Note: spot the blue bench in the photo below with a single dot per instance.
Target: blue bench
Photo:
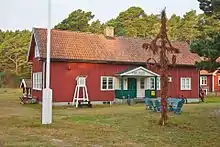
(174, 104)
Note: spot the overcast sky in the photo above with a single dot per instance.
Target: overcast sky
(25, 14)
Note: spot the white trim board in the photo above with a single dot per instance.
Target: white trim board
(214, 73)
(33, 35)
(70, 103)
(139, 71)
(29, 48)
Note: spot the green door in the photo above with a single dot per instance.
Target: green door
(132, 86)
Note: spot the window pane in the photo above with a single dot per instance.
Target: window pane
(110, 83)
(33, 80)
(187, 81)
(36, 84)
(152, 83)
(183, 83)
(104, 83)
(37, 80)
(158, 83)
(40, 80)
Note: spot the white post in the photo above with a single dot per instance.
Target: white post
(47, 92)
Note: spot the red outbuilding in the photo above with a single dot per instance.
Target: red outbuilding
(115, 67)
(210, 82)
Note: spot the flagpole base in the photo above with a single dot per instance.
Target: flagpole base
(47, 106)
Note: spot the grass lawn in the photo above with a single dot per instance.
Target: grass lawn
(118, 125)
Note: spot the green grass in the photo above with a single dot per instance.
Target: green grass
(212, 99)
(118, 125)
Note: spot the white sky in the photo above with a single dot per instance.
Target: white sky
(25, 14)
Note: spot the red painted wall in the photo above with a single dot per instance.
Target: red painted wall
(36, 67)
(63, 80)
(216, 87)
(174, 86)
(209, 83)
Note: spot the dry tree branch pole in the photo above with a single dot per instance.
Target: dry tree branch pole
(162, 46)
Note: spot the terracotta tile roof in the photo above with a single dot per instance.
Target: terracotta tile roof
(87, 46)
(205, 72)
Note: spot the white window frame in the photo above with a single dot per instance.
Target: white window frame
(150, 86)
(107, 83)
(183, 85)
(37, 81)
(158, 83)
(142, 83)
(202, 80)
(169, 79)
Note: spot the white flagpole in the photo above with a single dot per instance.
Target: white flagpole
(47, 92)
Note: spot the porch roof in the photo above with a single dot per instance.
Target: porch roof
(138, 71)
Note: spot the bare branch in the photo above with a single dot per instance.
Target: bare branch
(14, 61)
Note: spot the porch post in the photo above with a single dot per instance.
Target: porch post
(122, 82)
(122, 86)
(155, 86)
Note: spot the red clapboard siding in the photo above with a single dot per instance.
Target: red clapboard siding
(37, 67)
(174, 86)
(216, 86)
(63, 80)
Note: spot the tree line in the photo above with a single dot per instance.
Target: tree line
(133, 22)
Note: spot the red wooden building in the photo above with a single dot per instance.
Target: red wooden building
(115, 67)
(210, 81)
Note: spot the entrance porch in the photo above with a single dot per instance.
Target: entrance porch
(137, 83)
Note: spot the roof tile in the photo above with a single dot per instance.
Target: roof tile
(87, 46)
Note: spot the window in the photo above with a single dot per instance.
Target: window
(203, 80)
(169, 79)
(119, 83)
(185, 84)
(37, 81)
(142, 83)
(107, 83)
(151, 83)
(218, 80)
(36, 52)
(158, 83)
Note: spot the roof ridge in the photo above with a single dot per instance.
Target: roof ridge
(119, 37)
(69, 31)
(90, 33)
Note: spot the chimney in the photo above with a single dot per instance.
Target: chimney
(109, 31)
